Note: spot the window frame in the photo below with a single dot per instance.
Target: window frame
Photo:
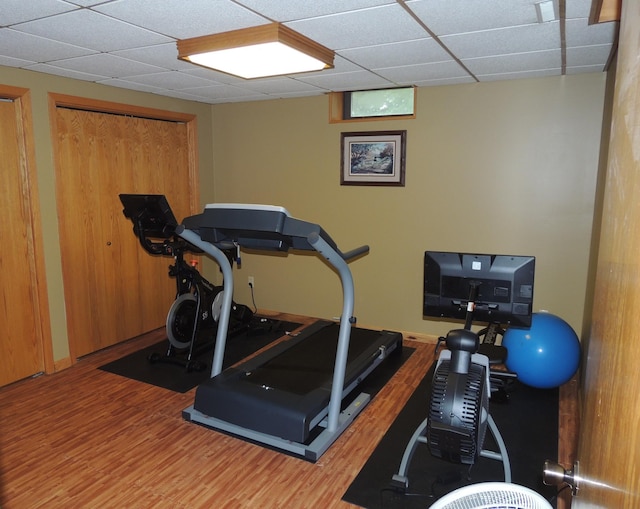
(338, 102)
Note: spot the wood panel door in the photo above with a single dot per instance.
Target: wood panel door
(609, 444)
(114, 290)
(22, 319)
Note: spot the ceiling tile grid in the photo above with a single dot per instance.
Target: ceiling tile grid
(378, 43)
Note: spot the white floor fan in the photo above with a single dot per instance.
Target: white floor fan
(492, 495)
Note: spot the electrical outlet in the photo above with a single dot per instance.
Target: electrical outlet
(252, 283)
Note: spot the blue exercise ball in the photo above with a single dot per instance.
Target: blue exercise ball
(545, 355)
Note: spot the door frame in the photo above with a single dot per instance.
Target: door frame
(28, 175)
(100, 106)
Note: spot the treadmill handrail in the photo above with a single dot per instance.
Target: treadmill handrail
(227, 293)
(355, 253)
(344, 335)
(312, 238)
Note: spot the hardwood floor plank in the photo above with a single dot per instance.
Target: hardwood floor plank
(87, 438)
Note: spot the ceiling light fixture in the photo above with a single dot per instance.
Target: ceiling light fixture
(257, 52)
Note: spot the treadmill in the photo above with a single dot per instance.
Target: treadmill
(298, 396)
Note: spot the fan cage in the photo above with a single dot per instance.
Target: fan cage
(492, 495)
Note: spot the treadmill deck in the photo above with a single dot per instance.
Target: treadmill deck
(285, 391)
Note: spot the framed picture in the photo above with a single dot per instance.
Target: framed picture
(375, 158)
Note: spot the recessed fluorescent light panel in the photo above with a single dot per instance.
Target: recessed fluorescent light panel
(257, 52)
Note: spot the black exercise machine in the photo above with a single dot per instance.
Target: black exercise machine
(458, 414)
(298, 396)
(194, 313)
(490, 288)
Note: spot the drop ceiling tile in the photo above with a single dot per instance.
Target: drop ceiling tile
(223, 92)
(588, 55)
(286, 10)
(131, 85)
(187, 97)
(108, 65)
(445, 17)
(357, 80)
(503, 41)
(580, 33)
(397, 53)
(14, 62)
(35, 48)
(584, 69)
(516, 62)
(409, 74)
(67, 73)
(162, 55)
(215, 76)
(173, 18)
(279, 86)
(244, 99)
(18, 11)
(376, 25)
(578, 8)
(172, 80)
(445, 81)
(88, 3)
(519, 75)
(92, 30)
(290, 95)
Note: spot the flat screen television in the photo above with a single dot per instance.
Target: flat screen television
(503, 287)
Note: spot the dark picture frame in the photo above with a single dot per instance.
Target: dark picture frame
(373, 158)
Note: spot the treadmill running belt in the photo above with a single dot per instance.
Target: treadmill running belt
(309, 365)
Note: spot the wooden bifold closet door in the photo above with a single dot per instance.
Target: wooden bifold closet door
(20, 313)
(113, 289)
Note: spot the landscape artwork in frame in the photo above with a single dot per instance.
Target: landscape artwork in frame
(375, 158)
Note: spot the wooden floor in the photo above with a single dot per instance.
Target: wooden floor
(87, 438)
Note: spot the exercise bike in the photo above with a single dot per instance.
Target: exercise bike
(193, 315)
(194, 312)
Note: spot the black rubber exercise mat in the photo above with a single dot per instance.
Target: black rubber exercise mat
(176, 377)
(527, 421)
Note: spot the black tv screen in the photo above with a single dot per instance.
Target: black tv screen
(504, 286)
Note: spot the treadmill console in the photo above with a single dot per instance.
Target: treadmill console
(246, 217)
(254, 226)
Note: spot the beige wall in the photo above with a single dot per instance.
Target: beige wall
(42, 84)
(505, 167)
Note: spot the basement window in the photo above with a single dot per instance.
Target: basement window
(361, 105)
